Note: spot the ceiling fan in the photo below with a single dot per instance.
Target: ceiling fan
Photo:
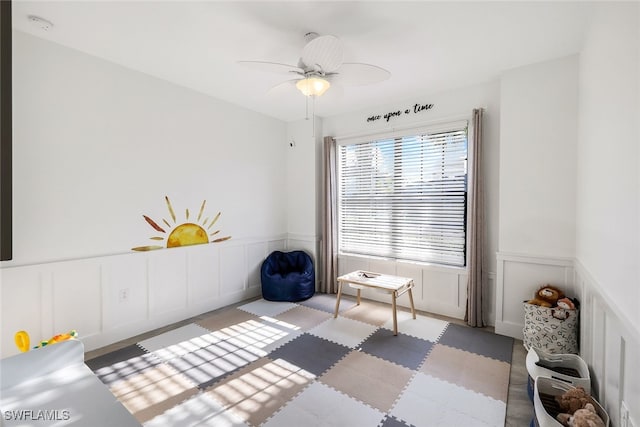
(321, 65)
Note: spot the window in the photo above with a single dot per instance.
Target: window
(405, 197)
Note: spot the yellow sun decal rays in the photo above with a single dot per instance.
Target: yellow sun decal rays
(184, 234)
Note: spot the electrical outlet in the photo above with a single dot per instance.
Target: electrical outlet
(123, 295)
(624, 415)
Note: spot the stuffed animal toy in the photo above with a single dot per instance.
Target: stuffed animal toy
(573, 399)
(585, 417)
(547, 296)
(566, 303)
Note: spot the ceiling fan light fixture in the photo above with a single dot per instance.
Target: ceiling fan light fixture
(313, 86)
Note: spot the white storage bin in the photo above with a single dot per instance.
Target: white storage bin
(546, 407)
(569, 368)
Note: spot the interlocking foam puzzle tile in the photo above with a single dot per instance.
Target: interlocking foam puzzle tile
(172, 337)
(426, 328)
(263, 307)
(310, 353)
(257, 336)
(255, 392)
(122, 354)
(209, 364)
(199, 410)
(372, 312)
(225, 318)
(122, 364)
(402, 349)
(372, 380)
(430, 400)
(469, 370)
(391, 421)
(320, 405)
(478, 341)
(303, 318)
(341, 330)
(153, 391)
(327, 303)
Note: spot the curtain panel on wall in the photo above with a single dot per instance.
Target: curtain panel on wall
(475, 225)
(329, 218)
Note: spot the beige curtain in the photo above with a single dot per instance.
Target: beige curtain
(329, 218)
(475, 225)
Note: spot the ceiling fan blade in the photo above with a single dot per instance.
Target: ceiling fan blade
(285, 86)
(273, 67)
(355, 74)
(323, 53)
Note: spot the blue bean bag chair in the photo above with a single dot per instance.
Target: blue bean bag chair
(288, 276)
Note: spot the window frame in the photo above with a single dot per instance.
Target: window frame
(398, 135)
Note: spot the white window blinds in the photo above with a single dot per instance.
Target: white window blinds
(405, 197)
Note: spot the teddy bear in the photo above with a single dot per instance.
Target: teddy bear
(547, 296)
(573, 399)
(585, 417)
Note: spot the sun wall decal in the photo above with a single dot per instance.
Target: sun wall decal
(186, 233)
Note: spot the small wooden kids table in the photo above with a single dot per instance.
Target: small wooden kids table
(394, 285)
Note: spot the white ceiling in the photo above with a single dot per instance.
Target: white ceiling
(428, 47)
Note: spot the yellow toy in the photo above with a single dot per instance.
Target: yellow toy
(22, 339)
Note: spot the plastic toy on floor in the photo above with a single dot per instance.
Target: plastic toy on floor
(22, 339)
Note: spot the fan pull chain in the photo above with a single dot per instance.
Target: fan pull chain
(313, 113)
(306, 106)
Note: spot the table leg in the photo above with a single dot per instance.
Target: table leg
(359, 296)
(335, 315)
(413, 310)
(395, 315)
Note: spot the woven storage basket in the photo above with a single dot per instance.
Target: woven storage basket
(552, 330)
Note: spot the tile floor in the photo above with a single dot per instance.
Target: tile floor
(519, 410)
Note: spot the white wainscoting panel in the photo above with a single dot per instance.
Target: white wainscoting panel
(114, 297)
(203, 278)
(256, 254)
(303, 242)
(233, 269)
(126, 274)
(438, 290)
(77, 298)
(22, 306)
(610, 344)
(167, 281)
(277, 245)
(518, 278)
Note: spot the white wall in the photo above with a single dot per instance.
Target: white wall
(96, 146)
(302, 188)
(570, 195)
(608, 214)
(539, 113)
(538, 140)
(440, 290)
(608, 198)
